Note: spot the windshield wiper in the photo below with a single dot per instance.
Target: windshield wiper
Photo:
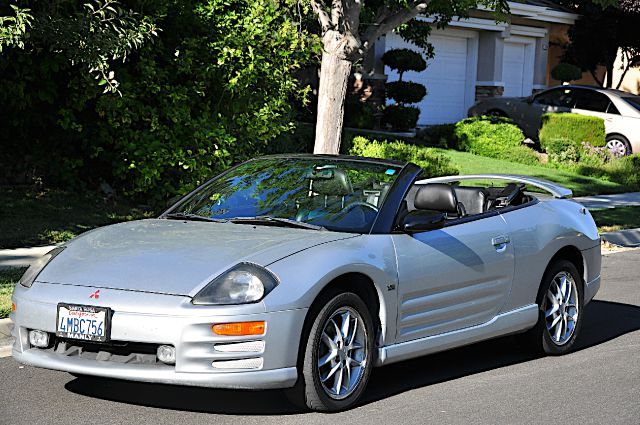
(192, 217)
(285, 221)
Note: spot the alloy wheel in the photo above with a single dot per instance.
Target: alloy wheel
(561, 313)
(342, 353)
(618, 148)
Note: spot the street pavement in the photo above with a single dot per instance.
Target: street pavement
(494, 382)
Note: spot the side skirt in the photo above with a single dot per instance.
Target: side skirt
(513, 321)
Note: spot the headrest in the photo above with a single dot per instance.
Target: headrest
(437, 197)
(330, 181)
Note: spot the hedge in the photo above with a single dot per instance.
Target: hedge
(433, 163)
(494, 137)
(573, 127)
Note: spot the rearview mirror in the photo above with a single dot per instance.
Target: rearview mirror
(423, 221)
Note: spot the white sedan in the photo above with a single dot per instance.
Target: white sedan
(619, 110)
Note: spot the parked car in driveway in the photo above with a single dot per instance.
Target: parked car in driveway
(620, 111)
(306, 271)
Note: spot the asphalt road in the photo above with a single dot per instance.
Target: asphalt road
(493, 382)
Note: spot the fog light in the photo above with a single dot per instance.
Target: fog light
(39, 339)
(167, 354)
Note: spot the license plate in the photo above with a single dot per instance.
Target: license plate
(84, 322)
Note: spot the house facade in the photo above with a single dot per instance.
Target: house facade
(478, 57)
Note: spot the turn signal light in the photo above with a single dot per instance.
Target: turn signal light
(13, 307)
(239, 328)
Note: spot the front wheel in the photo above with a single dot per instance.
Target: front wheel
(561, 305)
(338, 355)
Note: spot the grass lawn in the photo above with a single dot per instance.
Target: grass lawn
(612, 220)
(29, 217)
(8, 279)
(581, 185)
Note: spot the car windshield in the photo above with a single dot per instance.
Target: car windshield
(633, 101)
(339, 195)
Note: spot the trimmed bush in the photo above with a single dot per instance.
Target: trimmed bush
(405, 91)
(404, 60)
(433, 163)
(574, 127)
(566, 72)
(359, 115)
(401, 118)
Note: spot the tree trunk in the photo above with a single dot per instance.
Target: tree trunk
(334, 76)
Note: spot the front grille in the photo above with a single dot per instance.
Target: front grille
(112, 351)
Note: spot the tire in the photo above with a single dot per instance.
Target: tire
(558, 327)
(618, 145)
(316, 386)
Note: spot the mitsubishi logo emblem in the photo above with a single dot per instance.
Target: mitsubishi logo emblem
(95, 295)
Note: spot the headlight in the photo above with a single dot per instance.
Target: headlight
(36, 267)
(244, 283)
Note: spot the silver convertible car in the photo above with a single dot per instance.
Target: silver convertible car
(306, 271)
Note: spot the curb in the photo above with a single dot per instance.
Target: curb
(627, 238)
(6, 340)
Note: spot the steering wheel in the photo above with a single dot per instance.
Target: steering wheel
(362, 204)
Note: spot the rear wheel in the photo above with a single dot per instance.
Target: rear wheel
(618, 145)
(338, 356)
(560, 317)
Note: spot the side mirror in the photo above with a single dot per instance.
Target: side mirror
(423, 221)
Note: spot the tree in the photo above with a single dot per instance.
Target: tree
(589, 49)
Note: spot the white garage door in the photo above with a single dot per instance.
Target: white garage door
(517, 69)
(447, 77)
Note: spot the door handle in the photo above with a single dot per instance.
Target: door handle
(500, 240)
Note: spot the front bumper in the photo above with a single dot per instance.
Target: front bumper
(163, 319)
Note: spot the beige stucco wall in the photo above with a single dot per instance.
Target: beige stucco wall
(631, 82)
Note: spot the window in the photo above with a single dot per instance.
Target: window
(557, 97)
(633, 101)
(591, 100)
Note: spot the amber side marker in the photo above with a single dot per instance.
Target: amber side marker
(239, 328)
(13, 307)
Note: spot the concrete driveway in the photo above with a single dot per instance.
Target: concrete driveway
(493, 382)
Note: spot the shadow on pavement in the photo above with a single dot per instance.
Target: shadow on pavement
(603, 321)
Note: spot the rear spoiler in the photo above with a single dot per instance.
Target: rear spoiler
(557, 191)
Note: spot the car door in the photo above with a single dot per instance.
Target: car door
(559, 99)
(452, 278)
(596, 104)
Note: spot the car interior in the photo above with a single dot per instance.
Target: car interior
(458, 202)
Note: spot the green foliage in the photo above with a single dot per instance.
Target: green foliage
(625, 170)
(405, 91)
(214, 89)
(403, 60)
(573, 127)
(401, 118)
(298, 140)
(14, 28)
(433, 163)
(566, 72)
(562, 150)
(8, 279)
(441, 135)
(494, 137)
(359, 114)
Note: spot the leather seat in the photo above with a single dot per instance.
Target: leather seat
(438, 197)
(474, 199)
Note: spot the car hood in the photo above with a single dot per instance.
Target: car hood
(173, 256)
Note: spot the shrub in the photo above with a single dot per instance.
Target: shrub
(299, 140)
(441, 135)
(562, 150)
(574, 127)
(358, 114)
(625, 170)
(433, 163)
(405, 91)
(566, 72)
(401, 118)
(403, 60)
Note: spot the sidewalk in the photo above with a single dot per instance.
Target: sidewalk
(618, 200)
(22, 257)
(6, 340)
